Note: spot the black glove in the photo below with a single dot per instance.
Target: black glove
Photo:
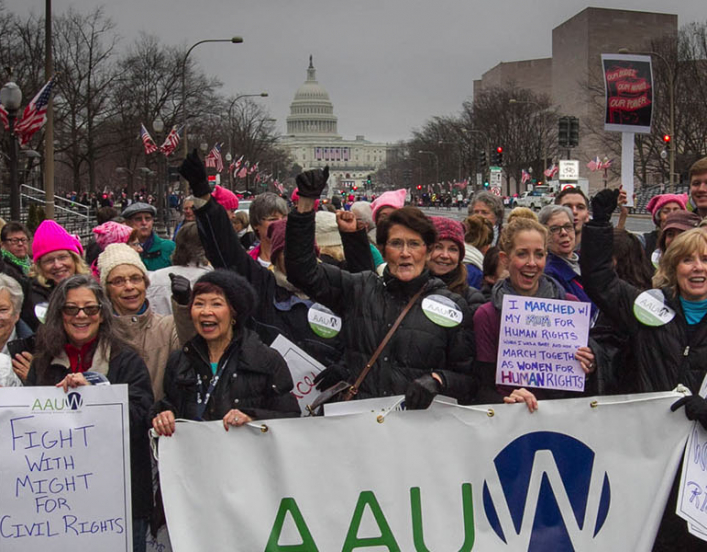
(603, 204)
(311, 183)
(194, 172)
(330, 376)
(695, 408)
(181, 289)
(421, 392)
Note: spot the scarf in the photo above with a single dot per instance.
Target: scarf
(24, 264)
(81, 359)
(548, 288)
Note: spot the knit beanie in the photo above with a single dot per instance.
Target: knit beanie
(448, 229)
(226, 198)
(117, 254)
(51, 237)
(327, 231)
(238, 292)
(112, 232)
(659, 201)
(393, 198)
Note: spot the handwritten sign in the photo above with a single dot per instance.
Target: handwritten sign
(303, 369)
(628, 85)
(538, 341)
(65, 466)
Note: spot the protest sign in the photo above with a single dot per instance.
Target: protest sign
(538, 341)
(65, 469)
(628, 85)
(570, 476)
(303, 369)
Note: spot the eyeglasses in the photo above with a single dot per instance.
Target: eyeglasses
(17, 241)
(49, 261)
(89, 310)
(569, 228)
(120, 281)
(412, 245)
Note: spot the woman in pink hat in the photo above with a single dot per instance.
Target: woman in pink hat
(660, 207)
(57, 256)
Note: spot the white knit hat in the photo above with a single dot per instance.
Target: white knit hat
(117, 254)
(327, 231)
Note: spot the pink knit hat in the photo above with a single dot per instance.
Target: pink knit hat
(226, 198)
(658, 202)
(51, 237)
(394, 198)
(112, 232)
(448, 229)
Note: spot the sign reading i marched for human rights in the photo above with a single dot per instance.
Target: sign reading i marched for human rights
(65, 469)
(538, 341)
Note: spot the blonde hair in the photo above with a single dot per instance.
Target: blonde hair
(685, 244)
(336, 252)
(521, 212)
(479, 231)
(506, 242)
(37, 273)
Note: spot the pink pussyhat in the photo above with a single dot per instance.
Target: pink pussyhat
(393, 198)
(112, 232)
(658, 202)
(51, 237)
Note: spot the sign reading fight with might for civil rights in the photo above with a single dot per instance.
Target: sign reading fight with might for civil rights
(65, 469)
(628, 84)
(538, 341)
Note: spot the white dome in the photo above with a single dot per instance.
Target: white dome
(311, 111)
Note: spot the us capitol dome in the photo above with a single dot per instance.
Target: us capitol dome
(313, 142)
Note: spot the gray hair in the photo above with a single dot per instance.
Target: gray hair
(265, 205)
(14, 289)
(188, 247)
(364, 212)
(494, 203)
(549, 211)
(51, 336)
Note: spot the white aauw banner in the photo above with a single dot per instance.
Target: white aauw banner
(568, 477)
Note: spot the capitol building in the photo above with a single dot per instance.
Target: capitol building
(313, 142)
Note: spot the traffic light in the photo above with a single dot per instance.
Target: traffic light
(355, 188)
(482, 158)
(574, 132)
(563, 133)
(497, 157)
(666, 139)
(419, 186)
(343, 192)
(486, 184)
(368, 180)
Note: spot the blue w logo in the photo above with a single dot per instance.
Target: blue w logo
(547, 493)
(74, 401)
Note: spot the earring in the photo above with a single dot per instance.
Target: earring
(233, 322)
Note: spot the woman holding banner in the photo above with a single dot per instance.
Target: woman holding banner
(523, 247)
(79, 345)
(225, 372)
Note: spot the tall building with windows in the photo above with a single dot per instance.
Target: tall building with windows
(313, 141)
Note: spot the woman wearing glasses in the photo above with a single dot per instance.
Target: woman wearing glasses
(562, 260)
(154, 336)
(79, 336)
(57, 256)
(431, 351)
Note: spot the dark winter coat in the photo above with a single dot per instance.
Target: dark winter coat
(11, 269)
(159, 254)
(368, 306)
(279, 311)
(36, 294)
(660, 357)
(255, 380)
(124, 366)
(561, 271)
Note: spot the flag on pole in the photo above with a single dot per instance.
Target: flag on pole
(551, 170)
(606, 163)
(243, 172)
(254, 168)
(214, 159)
(171, 141)
(147, 141)
(35, 114)
(235, 166)
(4, 117)
(525, 176)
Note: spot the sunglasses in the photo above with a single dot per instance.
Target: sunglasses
(89, 310)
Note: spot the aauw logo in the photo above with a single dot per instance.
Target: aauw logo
(72, 401)
(547, 493)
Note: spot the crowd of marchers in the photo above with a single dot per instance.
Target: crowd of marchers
(187, 321)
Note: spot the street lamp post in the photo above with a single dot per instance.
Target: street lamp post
(543, 144)
(158, 127)
(671, 100)
(230, 126)
(11, 98)
(466, 131)
(436, 160)
(234, 40)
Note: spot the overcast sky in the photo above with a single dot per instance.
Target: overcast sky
(388, 65)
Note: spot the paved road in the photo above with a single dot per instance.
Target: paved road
(635, 223)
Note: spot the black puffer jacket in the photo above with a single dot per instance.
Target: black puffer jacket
(255, 380)
(279, 310)
(124, 366)
(369, 306)
(660, 357)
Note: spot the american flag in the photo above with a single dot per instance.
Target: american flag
(214, 159)
(35, 113)
(525, 176)
(254, 168)
(172, 141)
(280, 188)
(552, 170)
(242, 173)
(147, 141)
(594, 164)
(3, 117)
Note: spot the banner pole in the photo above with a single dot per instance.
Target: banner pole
(627, 145)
